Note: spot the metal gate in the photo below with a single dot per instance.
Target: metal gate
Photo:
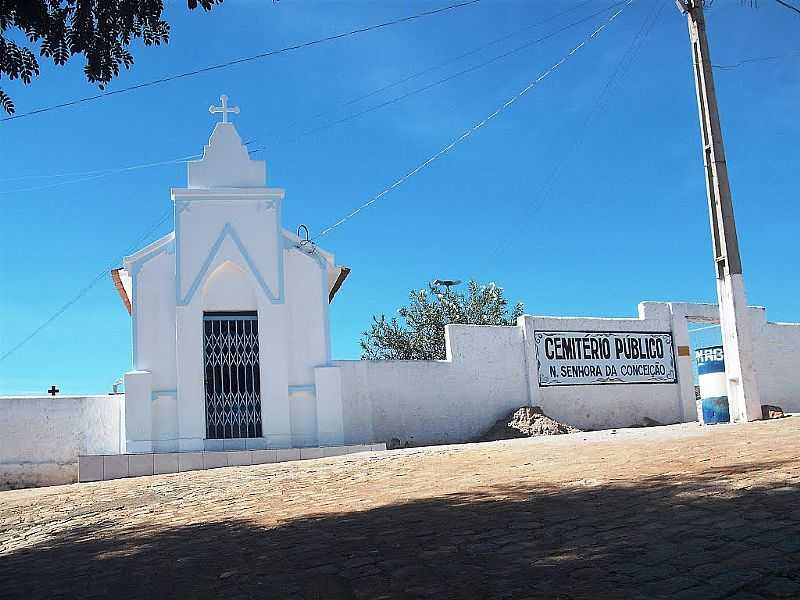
(232, 382)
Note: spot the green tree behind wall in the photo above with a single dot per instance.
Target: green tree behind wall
(418, 333)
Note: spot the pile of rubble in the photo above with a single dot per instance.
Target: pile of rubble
(528, 421)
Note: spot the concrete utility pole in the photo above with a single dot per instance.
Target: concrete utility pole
(743, 397)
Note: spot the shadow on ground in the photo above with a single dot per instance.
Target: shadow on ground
(671, 536)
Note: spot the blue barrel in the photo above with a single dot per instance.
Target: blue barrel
(713, 385)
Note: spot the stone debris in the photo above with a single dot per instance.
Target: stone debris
(647, 422)
(396, 444)
(768, 411)
(527, 421)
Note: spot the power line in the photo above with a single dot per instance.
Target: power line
(95, 174)
(327, 230)
(753, 60)
(81, 177)
(89, 175)
(239, 61)
(108, 171)
(789, 6)
(85, 290)
(600, 101)
(480, 124)
(444, 63)
(101, 173)
(443, 80)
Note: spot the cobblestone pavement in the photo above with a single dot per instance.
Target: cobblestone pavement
(667, 512)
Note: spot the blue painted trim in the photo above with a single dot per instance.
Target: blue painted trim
(177, 218)
(228, 230)
(279, 252)
(165, 247)
(135, 317)
(326, 307)
(309, 387)
(156, 393)
(164, 392)
(323, 265)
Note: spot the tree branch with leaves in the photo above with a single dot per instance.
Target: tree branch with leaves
(419, 332)
(100, 30)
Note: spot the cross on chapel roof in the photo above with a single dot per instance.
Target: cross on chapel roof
(226, 162)
(224, 108)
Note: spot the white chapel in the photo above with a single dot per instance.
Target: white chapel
(231, 344)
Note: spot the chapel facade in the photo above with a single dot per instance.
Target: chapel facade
(230, 332)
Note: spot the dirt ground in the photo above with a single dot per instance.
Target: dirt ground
(663, 512)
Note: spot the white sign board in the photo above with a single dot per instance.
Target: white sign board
(594, 357)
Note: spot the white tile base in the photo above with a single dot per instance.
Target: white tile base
(190, 461)
(307, 453)
(214, 460)
(117, 466)
(239, 458)
(165, 463)
(262, 457)
(287, 454)
(140, 464)
(90, 468)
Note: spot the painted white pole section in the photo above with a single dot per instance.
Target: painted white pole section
(743, 395)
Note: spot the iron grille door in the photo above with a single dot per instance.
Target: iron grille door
(232, 382)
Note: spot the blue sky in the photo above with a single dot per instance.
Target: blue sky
(623, 220)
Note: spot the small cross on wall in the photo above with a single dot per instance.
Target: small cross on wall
(53, 390)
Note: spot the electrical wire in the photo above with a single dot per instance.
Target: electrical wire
(598, 105)
(327, 230)
(477, 126)
(80, 177)
(444, 63)
(789, 6)
(97, 171)
(443, 80)
(239, 61)
(85, 290)
(753, 60)
(89, 175)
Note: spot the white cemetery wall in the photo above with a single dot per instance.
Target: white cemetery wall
(434, 402)
(776, 355)
(777, 359)
(491, 371)
(42, 436)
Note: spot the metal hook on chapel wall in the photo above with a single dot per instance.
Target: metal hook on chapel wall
(306, 245)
